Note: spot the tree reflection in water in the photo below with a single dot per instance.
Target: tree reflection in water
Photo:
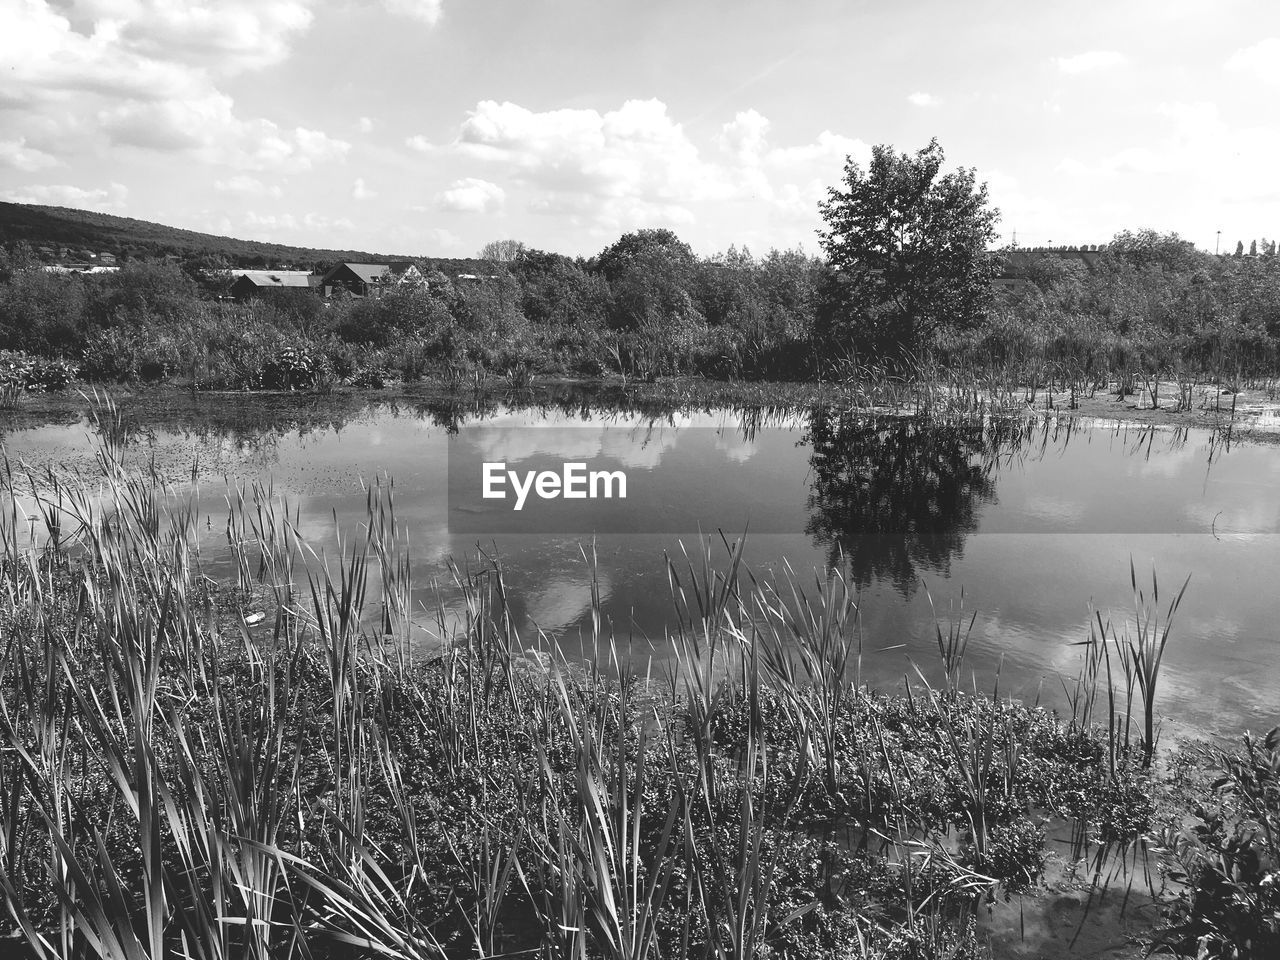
(893, 496)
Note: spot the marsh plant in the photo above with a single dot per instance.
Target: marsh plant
(299, 760)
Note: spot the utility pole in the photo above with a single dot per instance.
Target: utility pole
(1215, 243)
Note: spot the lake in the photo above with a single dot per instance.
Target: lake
(1036, 519)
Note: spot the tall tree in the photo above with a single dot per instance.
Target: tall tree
(909, 246)
(501, 251)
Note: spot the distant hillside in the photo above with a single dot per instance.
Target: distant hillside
(125, 237)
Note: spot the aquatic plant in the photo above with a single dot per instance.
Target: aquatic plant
(300, 762)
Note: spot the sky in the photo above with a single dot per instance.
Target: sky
(429, 127)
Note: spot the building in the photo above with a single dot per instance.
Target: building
(251, 283)
(84, 268)
(371, 279)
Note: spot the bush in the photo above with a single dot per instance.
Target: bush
(54, 374)
(1228, 859)
(291, 366)
(122, 355)
(16, 369)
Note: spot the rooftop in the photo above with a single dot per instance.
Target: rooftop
(276, 278)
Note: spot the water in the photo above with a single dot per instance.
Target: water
(1036, 520)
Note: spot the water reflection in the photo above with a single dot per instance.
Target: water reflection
(1034, 517)
(890, 494)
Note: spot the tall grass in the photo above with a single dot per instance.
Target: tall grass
(178, 778)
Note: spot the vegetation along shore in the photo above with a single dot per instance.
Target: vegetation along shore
(275, 764)
(923, 297)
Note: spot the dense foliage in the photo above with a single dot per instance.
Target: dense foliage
(907, 289)
(911, 250)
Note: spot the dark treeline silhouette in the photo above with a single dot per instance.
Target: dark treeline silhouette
(645, 307)
(894, 498)
(891, 495)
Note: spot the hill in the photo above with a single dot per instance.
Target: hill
(133, 239)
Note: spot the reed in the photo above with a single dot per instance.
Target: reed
(180, 779)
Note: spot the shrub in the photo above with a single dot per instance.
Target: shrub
(16, 368)
(291, 366)
(54, 374)
(1228, 859)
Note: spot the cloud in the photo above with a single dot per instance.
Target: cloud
(445, 239)
(131, 46)
(229, 35)
(745, 135)
(86, 75)
(1259, 62)
(246, 185)
(471, 195)
(921, 99)
(1204, 155)
(636, 166)
(209, 127)
(365, 124)
(420, 144)
(360, 191)
(284, 224)
(16, 154)
(629, 166)
(633, 151)
(427, 11)
(1197, 139)
(1089, 61)
(68, 195)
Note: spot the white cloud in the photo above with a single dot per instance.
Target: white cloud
(68, 195)
(247, 185)
(471, 195)
(209, 127)
(1260, 62)
(1204, 156)
(922, 99)
(145, 48)
(636, 166)
(445, 239)
(16, 154)
(630, 166)
(365, 124)
(84, 75)
(1197, 139)
(427, 11)
(420, 144)
(306, 226)
(361, 191)
(745, 135)
(228, 35)
(1090, 61)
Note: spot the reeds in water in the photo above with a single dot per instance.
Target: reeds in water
(179, 779)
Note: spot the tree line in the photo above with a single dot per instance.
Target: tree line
(906, 280)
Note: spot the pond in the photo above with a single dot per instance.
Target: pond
(1032, 523)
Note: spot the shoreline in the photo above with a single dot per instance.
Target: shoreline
(1250, 413)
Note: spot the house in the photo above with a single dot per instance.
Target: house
(251, 283)
(83, 268)
(371, 279)
(107, 259)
